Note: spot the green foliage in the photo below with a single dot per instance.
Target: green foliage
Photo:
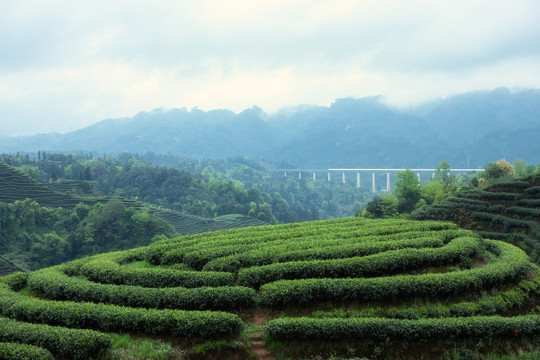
(48, 236)
(15, 351)
(513, 263)
(206, 324)
(379, 264)
(52, 284)
(478, 327)
(60, 341)
(407, 191)
(382, 207)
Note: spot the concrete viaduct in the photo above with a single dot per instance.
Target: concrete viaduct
(328, 172)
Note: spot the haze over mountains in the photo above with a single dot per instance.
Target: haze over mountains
(469, 129)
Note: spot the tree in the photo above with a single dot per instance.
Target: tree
(407, 191)
(382, 206)
(442, 172)
(501, 168)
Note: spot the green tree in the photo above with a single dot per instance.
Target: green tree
(442, 172)
(407, 191)
(499, 169)
(382, 206)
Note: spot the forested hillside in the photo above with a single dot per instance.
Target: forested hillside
(469, 129)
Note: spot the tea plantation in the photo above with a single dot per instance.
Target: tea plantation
(506, 210)
(345, 288)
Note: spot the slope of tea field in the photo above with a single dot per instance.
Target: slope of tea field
(507, 211)
(350, 287)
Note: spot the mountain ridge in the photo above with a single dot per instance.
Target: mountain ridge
(349, 132)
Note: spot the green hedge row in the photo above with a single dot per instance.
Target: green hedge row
(533, 191)
(533, 243)
(52, 284)
(512, 264)
(528, 203)
(384, 263)
(479, 327)
(60, 341)
(254, 235)
(109, 272)
(492, 196)
(523, 211)
(16, 351)
(509, 223)
(187, 324)
(15, 281)
(486, 306)
(510, 185)
(323, 249)
(197, 258)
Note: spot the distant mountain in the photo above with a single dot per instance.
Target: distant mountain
(481, 126)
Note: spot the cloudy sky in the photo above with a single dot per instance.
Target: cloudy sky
(66, 64)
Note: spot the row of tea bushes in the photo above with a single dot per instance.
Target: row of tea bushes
(325, 249)
(110, 272)
(204, 324)
(478, 327)
(199, 254)
(52, 284)
(61, 341)
(512, 264)
(16, 351)
(380, 264)
(505, 301)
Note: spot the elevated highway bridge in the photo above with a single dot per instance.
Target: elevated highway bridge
(373, 171)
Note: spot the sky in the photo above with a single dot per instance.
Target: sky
(66, 64)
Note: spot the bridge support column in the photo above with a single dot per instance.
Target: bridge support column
(328, 176)
(285, 174)
(358, 180)
(343, 177)
(418, 176)
(314, 176)
(299, 175)
(388, 182)
(373, 188)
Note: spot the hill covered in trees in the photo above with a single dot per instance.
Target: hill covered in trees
(469, 129)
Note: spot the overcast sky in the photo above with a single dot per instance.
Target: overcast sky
(65, 64)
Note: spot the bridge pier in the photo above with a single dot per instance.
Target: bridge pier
(314, 176)
(373, 188)
(388, 182)
(343, 177)
(299, 175)
(358, 180)
(328, 176)
(418, 175)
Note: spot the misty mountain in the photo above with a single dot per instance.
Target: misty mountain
(483, 126)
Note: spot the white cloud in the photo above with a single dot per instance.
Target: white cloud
(68, 64)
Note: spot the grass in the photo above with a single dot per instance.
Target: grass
(127, 348)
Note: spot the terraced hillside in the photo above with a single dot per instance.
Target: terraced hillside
(507, 211)
(349, 287)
